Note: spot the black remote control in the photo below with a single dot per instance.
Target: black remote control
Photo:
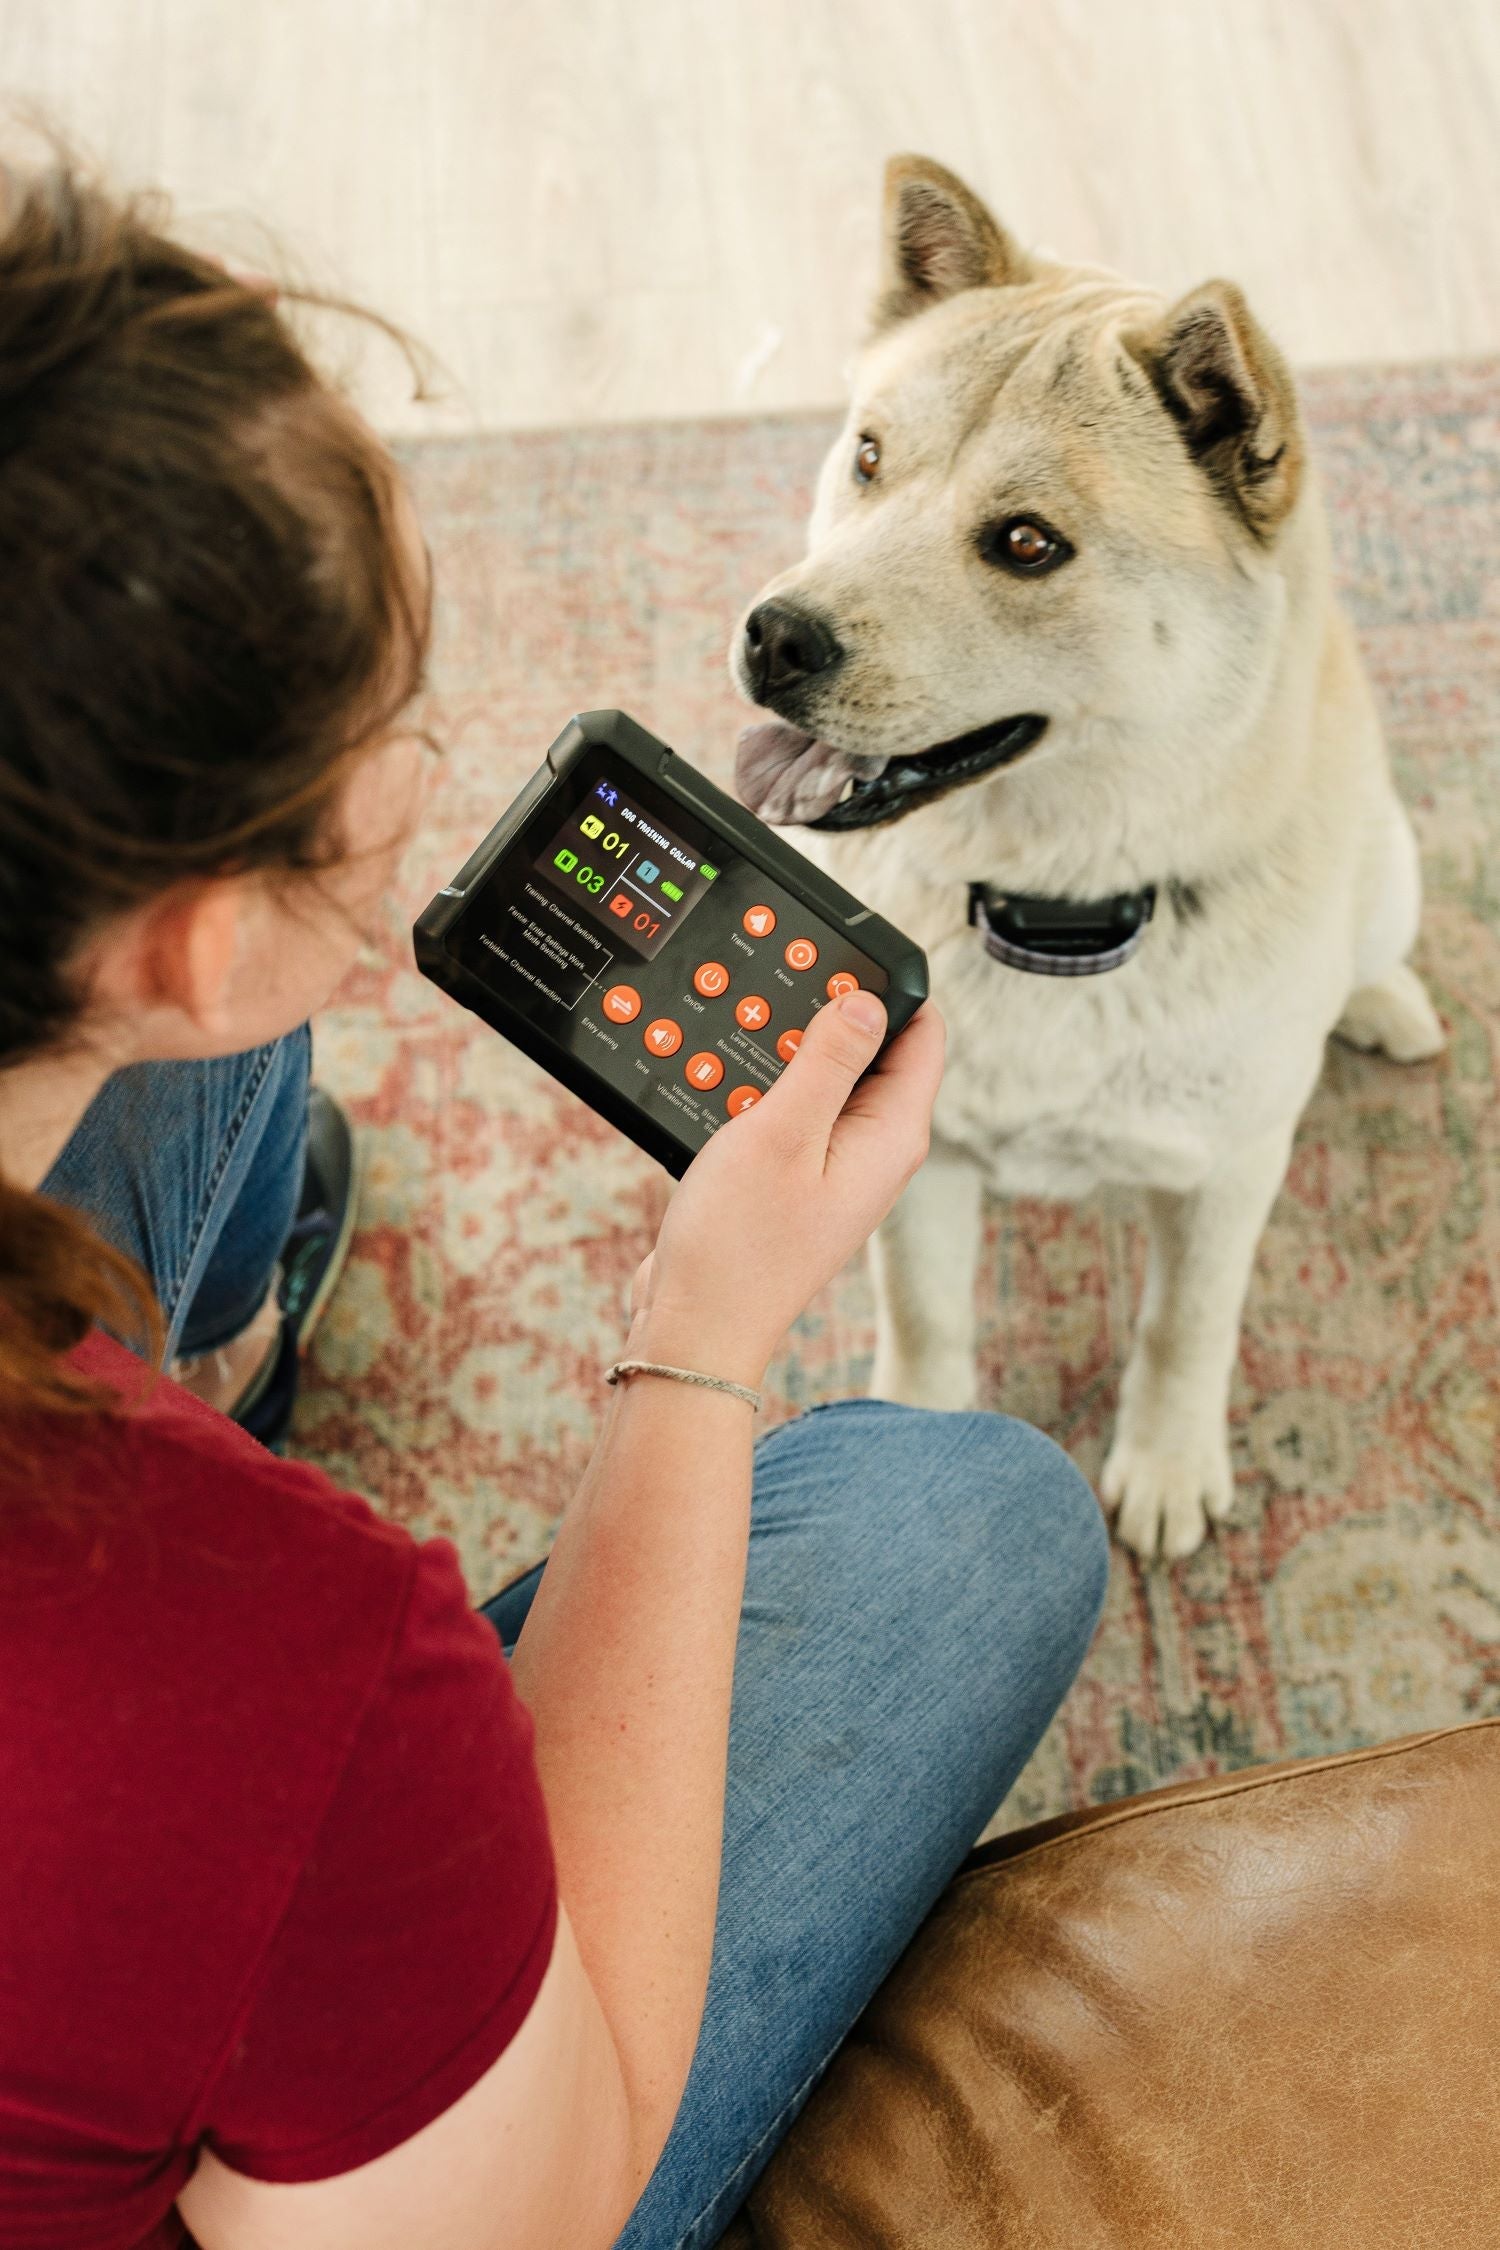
(650, 942)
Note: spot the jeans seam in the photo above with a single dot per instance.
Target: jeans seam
(231, 1135)
(820, 1406)
(788, 2109)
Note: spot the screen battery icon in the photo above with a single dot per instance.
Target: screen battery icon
(671, 891)
(708, 873)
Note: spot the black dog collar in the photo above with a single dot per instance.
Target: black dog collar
(1060, 937)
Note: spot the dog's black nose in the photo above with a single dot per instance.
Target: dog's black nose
(784, 646)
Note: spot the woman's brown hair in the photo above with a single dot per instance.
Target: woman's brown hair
(205, 616)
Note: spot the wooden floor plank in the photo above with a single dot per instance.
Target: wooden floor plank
(610, 209)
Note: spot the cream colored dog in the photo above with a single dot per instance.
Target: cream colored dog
(1066, 630)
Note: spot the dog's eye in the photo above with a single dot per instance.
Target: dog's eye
(866, 459)
(1025, 545)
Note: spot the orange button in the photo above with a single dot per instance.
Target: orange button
(840, 983)
(753, 1013)
(711, 979)
(662, 1037)
(703, 1071)
(801, 953)
(622, 1003)
(787, 1045)
(743, 1097)
(759, 921)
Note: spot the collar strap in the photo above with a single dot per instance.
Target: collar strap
(1060, 937)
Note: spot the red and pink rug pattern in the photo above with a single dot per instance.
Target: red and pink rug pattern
(1356, 1594)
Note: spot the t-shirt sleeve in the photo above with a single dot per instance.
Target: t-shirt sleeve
(418, 1929)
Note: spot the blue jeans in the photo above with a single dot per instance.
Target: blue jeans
(194, 1169)
(921, 1590)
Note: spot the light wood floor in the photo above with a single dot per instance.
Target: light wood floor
(601, 209)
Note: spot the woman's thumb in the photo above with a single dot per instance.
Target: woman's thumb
(837, 1048)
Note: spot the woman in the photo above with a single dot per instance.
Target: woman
(330, 1911)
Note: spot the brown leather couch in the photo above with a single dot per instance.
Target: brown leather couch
(1255, 2013)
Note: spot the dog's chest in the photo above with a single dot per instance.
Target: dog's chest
(1145, 1075)
(1140, 1077)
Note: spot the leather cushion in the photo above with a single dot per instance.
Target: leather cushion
(1260, 2012)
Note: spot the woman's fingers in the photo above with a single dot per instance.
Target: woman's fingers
(910, 1070)
(883, 1133)
(839, 1044)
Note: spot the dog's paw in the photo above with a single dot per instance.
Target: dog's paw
(945, 1380)
(1164, 1497)
(1394, 1018)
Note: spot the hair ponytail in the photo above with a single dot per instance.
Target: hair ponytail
(57, 1279)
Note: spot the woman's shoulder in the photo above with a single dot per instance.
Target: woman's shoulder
(161, 1459)
(196, 1636)
(173, 1540)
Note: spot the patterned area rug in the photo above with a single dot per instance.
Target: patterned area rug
(1357, 1594)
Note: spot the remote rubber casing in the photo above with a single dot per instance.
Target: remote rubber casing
(510, 941)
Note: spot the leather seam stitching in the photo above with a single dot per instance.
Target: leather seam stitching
(1228, 1785)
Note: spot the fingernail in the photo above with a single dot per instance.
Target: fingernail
(863, 1011)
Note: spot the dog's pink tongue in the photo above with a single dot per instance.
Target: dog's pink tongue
(787, 776)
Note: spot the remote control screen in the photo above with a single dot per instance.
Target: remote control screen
(627, 867)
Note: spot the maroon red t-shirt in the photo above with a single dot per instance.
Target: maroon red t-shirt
(274, 1867)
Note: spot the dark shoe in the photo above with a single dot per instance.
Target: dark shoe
(311, 1261)
(315, 1250)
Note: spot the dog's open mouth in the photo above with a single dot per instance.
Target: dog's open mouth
(791, 778)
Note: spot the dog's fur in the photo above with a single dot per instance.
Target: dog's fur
(1209, 730)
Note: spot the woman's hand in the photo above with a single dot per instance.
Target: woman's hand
(785, 1193)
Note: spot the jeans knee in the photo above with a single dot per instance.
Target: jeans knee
(1064, 1527)
(957, 1509)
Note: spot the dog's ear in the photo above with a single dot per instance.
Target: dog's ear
(939, 239)
(1227, 388)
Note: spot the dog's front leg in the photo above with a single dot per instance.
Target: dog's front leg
(1169, 1467)
(924, 1261)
